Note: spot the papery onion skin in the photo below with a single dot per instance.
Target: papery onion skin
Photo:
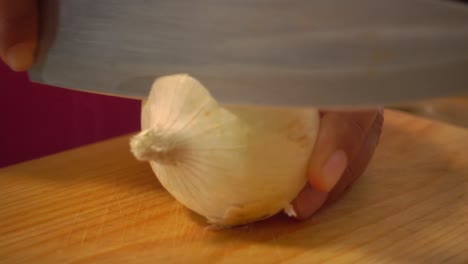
(234, 164)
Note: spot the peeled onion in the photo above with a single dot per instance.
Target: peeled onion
(233, 165)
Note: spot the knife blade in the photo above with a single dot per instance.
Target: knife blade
(324, 53)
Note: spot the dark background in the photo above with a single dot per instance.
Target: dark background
(37, 120)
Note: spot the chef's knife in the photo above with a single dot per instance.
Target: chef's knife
(327, 53)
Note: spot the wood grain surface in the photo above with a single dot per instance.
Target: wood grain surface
(96, 204)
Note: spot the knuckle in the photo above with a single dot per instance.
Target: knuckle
(358, 128)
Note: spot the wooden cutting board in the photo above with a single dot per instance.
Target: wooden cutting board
(96, 204)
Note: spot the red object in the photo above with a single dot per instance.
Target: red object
(38, 120)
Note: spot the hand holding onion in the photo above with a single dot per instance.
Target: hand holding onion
(239, 164)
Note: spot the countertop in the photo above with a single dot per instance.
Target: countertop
(97, 204)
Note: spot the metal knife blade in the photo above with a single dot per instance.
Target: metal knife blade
(324, 53)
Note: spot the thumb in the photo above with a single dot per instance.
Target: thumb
(18, 33)
(341, 136)
(344, 148)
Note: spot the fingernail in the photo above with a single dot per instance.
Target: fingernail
(21, 56)
(333, 169)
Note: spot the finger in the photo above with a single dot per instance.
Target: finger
(310, 200)
(360, 162)
(340, 137)
(307, 202)
(18, 33)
